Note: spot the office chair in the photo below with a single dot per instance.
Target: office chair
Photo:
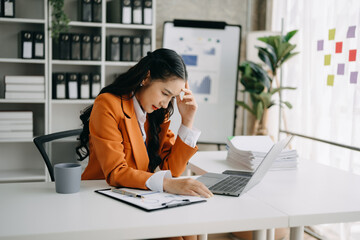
(41, 140)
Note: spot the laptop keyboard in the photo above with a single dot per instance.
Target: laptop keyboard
(230, 184)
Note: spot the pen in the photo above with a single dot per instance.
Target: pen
(127, 193)
(175, 203)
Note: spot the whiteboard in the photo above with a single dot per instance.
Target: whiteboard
(211, 52)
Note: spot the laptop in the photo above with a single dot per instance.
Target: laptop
(235, 183)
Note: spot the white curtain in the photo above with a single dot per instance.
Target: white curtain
(326, 73)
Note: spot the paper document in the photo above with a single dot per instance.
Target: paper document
(247, 152)
(149, 200)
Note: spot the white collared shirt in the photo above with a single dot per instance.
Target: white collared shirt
(141, 117)
(187, 135)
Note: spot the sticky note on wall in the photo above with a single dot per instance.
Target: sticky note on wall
(353, 77)
(352, 55)
(338, 47)
(327, 59)
(320, 45)
(332, 34)
(351, 32)
(330, 80)
(341, 69)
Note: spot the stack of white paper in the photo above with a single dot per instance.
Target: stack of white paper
(24, 87)
(247, 152)
(16, 125)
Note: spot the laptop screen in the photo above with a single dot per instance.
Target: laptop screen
(265, 165)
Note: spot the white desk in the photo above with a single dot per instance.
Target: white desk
(312, 194)
(36, 211)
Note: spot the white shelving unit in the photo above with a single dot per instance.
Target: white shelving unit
(15, 163)
(19, 159)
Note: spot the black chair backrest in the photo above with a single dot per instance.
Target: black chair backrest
(41, 140)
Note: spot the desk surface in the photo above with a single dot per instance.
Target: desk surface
(312, 194)
(36, 211)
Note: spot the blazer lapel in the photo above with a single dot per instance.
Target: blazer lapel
(132, 126)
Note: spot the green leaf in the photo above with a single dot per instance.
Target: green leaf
(288, 104)
(268, 58)
(275, 90)
(259, 110)
(288, 56)
(253, 77)
(264, 39)
(244, 105)
(60, 21)
(287, 48)
(266, 99)
(271, 104)
(289, 35)
(277, 46)
(260, 74)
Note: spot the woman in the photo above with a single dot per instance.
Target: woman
(127, 128)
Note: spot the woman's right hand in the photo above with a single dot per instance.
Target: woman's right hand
(186, 186)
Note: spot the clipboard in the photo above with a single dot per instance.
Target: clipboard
(149, 200)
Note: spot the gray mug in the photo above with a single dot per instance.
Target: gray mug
(67, 177)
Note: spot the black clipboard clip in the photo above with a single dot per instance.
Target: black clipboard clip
(176, 203)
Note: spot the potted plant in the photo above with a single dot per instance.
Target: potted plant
(258, 82)
(60, 21)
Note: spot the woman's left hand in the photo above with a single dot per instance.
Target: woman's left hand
(187, 106)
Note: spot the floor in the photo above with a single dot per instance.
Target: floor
(338, 231)
(282, 234)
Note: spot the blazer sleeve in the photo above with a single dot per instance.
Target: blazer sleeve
(109, 146)
(174, 152)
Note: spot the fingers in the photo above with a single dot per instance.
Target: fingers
(187, 85)
(196, 188)
(186, 90)
(188, 97)
(187, 186)
(203, 191)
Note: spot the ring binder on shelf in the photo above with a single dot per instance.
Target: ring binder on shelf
(126, 12)
(137, 12)
(8, 8)
(146, 45)
(59, 88)
(96, 11)
(126, 43)
(38, 45)
(136, 49)
(114, 48)
(75, 47)
(64, 46)
(26, 44)
(113, 14)
(72, 90)
(85, 10)
(96, 48)
(95, 85)
(85, 47)
(84, 86)
(148, 12)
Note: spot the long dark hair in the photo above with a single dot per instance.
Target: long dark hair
(162, 64)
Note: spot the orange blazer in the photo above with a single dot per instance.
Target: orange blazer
(117, 151)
